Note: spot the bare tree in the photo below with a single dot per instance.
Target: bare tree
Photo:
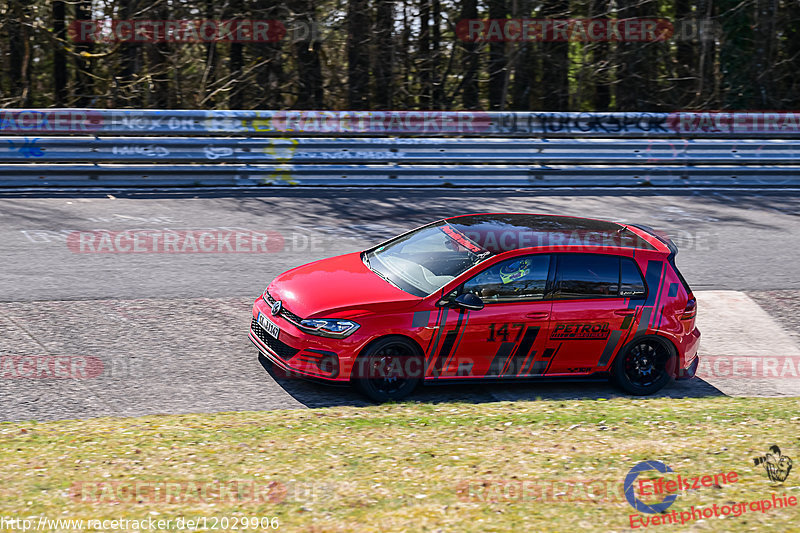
(60, 80)
(471, 54)
(358, 38)
(309, 70)
(384, 56)
(497, 59)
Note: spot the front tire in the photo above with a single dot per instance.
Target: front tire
(644, 366)
(389, 369)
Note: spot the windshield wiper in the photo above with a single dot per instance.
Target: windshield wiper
(379, 274)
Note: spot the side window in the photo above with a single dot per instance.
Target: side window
(631, 282)
(587, 276)
(520, 278)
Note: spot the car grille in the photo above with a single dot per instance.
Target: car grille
(285, 313)
(283, 350)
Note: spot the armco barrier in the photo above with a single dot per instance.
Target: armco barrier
(85, 147)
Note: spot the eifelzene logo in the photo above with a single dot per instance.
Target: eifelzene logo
(775, 463)
(581, 331)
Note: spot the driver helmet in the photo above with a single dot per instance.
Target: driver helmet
(515, 270)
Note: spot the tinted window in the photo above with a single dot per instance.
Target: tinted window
(582, 275)
(631, 282)
(521, 278)
(503, 232)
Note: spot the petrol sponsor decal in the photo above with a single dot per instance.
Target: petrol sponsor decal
(581, 331)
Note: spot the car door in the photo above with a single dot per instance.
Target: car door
(591, 316)
(503, 338)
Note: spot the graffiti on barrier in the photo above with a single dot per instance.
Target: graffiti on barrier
(28, 148)
(146, 150)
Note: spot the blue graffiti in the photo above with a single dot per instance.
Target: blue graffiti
(28, 148)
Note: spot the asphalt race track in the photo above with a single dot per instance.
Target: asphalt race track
(153, 332)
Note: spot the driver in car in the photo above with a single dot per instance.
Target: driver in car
(494, 282)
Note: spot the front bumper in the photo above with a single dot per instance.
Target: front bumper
(297, 352)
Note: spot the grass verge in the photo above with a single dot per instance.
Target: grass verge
(521, 466)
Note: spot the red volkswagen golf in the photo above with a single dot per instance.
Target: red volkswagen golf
(487, 297)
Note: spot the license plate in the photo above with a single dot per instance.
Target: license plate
(268, 325)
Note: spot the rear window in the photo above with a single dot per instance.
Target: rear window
(631, 284)
(587, 275)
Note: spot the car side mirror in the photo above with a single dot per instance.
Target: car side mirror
(468, 300)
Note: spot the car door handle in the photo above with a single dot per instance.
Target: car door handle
(538, 314)
(624, 312)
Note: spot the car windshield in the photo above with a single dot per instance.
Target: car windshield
(425, 260)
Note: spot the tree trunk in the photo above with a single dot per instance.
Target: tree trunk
(424, 56)
(601, 61)
(524, 64)
(470, 95)
(269, 75)
(309, 70)
(555, 62)
(764, 54)
(209, 79)
(685, 56)
(19, 54)
(384, 76)
(358, 41)
(628, 84)
(497, 60)
(436, 58)
(127, 92)
(158, 66)
(59, 57)
(236, 60)
(84, 86)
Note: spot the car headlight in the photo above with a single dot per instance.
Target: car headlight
(329, 327)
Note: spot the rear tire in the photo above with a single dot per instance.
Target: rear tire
(644, 366)
(389, 369)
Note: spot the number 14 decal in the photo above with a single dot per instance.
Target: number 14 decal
(502, 331)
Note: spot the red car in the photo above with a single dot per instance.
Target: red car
(487, 297)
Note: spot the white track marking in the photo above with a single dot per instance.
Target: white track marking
(731, 323)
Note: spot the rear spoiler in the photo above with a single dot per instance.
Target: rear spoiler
(661, 236)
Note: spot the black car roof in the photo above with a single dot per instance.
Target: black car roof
(502, 232)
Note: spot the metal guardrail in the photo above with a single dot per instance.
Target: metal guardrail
(172, 148)
(395, 150)
(394, 175)
(688, 124)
